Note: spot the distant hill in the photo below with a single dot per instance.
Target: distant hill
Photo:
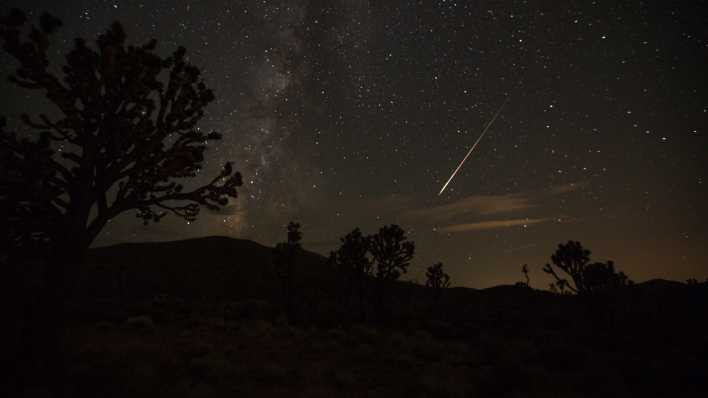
(213, 267)
(236, 269)
(219, 266)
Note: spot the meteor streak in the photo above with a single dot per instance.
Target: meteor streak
(474, 146)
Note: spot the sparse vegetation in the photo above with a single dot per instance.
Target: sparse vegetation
(391, 253)
(573, 260)
(437, 279)
(525, 270)
(284, 257)
(353, 261)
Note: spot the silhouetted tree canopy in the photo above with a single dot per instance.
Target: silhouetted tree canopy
(352, 255)
(284, 252)
(125, 136)
(436, 277)
(391, 252)
(352, 260)
(284, 255)
(602, 277)
(574, 261)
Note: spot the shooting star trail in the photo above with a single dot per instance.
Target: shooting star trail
(474, 146)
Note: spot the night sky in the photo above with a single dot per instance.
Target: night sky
(346, 113)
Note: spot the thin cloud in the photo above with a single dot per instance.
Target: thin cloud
(476, 204)
(490, 225)
(567, 188)
(488, 205)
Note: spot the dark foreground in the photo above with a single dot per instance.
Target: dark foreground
(196, 332)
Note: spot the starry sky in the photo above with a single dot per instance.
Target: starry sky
(350, 113)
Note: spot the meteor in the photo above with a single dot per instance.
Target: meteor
(474, 146)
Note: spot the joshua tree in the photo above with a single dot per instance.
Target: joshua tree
(437, 279)
(284, 257)
(571, 258)
(525, 270)
(391, 253)
(574, 261)
(600, 277)
(121, 140)
(352, 260)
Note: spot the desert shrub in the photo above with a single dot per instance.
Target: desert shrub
(422, 335)
(249, 310)
(402, 361)
(562, 357)
(198, 390)
(429, 350)
(364, 352)
(271, 373)
(212, 368)
(323, 345)
(441, 329)
(344, 379)
(142, 323)
(337, 335)
(365, 334)
(457, 353)
(256, 328)
(397, 340)
(192, 348)
(105, 326)
(435, 383)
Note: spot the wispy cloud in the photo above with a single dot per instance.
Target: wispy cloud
(491, 224)
(477, 205)
(476, 208)
(488, 205)
(566, 188)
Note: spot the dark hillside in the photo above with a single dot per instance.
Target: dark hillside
(212, 267)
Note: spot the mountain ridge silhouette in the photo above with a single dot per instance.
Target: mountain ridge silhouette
(250, 260)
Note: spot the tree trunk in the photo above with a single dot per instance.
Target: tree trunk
(362, 297)
(59, 274)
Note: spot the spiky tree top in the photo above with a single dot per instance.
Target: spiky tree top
(391, 251)
(284, 252)
(352, 256)
(599, 277)
(570, 258)
(573, 260)
(436, 277)
(122, 137)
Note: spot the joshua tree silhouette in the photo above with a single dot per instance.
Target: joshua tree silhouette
(574, 260)
(354, 263)
(125, 132)
(284, 255)
(436, 278)
(391, 253)
(120, 141)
